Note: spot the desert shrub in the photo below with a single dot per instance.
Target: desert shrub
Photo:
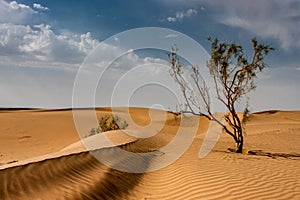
(109, 123)
(233, 74)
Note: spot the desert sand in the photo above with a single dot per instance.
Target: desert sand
(42, 157)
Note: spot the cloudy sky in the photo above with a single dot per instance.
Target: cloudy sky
(44, 43)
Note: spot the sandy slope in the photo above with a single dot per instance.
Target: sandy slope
(60, 168)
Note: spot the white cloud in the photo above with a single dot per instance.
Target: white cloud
(190, 12)
(40, 7)
(16, 13)
(171, 19)
(171, 36)
(276, 19)
(41, 45)
(116, 39)
(131, 60)
(182, 14)
(16, 6)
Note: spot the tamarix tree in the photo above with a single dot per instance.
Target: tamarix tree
(233, 77)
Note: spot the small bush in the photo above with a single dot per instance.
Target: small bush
(109, 123)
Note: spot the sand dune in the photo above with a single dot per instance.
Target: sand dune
(76, 176)
(42, 158)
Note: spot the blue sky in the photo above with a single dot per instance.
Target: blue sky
(43, 43)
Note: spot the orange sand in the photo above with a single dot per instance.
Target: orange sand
(41, 157)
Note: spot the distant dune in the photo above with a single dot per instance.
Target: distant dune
(42, 157)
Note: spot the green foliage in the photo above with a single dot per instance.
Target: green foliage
(246, 115)
(231, 68)
(109, 123)
(175, 115)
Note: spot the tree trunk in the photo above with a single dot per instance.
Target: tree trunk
(240, 143)
(239, 147)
